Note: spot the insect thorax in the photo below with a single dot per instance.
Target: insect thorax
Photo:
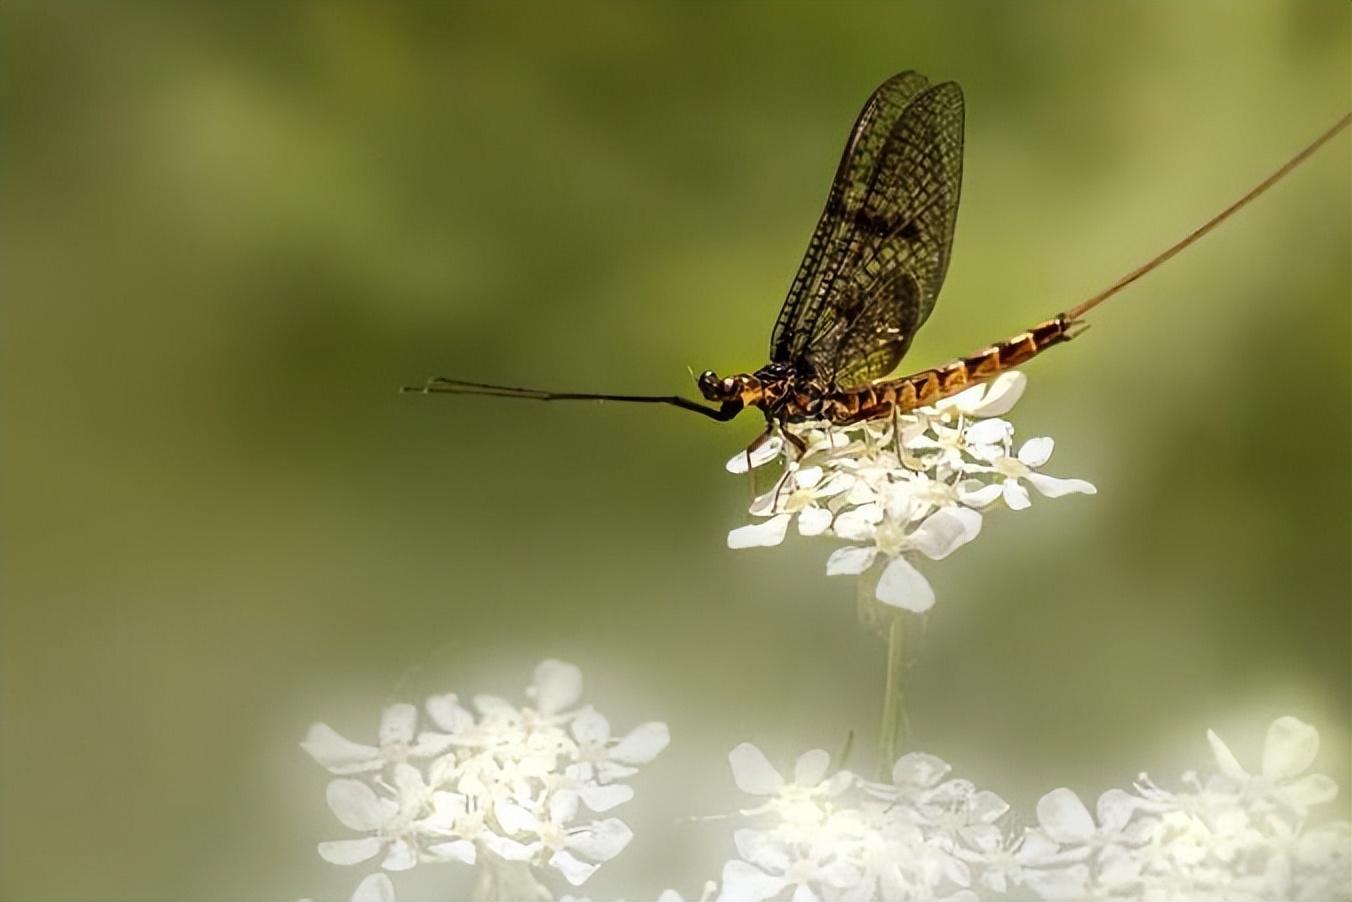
(785, 394)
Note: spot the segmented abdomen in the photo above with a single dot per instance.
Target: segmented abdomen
(927, 387)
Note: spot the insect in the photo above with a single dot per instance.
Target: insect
(871, 277)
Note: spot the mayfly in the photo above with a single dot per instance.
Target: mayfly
(871, 277)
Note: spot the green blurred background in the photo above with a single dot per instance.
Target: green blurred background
(233, 231)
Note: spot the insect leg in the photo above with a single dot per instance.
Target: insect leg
(798, 444)
(800, 448)
(751, 473)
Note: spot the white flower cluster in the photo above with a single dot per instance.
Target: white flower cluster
(669, 895)
(501, 786)
(840, 837)
(913, 485)
(1233, 837)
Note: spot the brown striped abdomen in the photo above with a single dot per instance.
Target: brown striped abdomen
(927, 387)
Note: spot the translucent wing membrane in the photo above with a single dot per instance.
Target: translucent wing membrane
(880, 251)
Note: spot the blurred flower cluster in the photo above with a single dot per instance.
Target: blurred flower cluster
(830, 836)
(896, 489)
(511, 789)
(1231, 837)
(506, 790)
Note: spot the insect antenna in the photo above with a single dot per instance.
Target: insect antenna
(440, 385)
(445, 386)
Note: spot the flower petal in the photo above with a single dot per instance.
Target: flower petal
(357, 806)
(840, 781)
(841, 874)
(765, 505)
(1001, 394)
(350, 851)
(1052, 487)
(1324, 848)
(945, 531)
(1035, 848)
(1069, 883)
(903, 586)
(558, 685)
(447, 809)
(573, 869)
(444, 770)
(429, 744)
(766, 452)
(1115, 808)
(591, 728)
(807, 477)
(743, 882)
(513, 817)
(964, 400)
(763, 849)
(506, 848)
(496, 707)
(1290, 748)
(919, 769)
(860, 493)
(643, 743)
(813, 521)
(448, 714)
(988, 432)
(903, 505)
(1225, 759)
(1308, 791)
(811, 767)
(408, 780)
(1016, 496)
(563, 806)
(1036, 451)
(980, 497)
(456, 849)
(753, 772)
(603, 798)
(1064, 817)
(760, 535)
(857, 525)
(852, 559)
(603, 840)
(1059, 883)
(988, 807)
(339, 754)
(401, 856)
(374, 888)
(837, 482)
(609, 771)
(397, 723)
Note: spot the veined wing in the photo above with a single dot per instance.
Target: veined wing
(877, 259)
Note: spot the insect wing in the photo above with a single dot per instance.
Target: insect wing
(880, 251)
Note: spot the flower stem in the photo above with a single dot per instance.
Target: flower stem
(890, 728)
(886, 622)
(506, 881)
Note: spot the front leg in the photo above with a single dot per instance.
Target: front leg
(797, 442)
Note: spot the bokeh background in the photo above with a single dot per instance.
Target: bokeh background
(232, 231)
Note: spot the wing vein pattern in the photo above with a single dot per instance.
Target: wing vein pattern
(878, 256)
